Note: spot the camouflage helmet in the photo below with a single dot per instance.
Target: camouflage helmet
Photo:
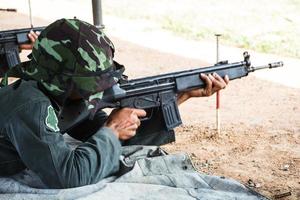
(69, 55)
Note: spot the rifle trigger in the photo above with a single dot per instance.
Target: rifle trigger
(148, 116)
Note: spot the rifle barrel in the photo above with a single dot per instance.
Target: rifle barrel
(21, 30)
(270, 65)
(17, 35)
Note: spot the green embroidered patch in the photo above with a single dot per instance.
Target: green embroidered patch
(51, 119)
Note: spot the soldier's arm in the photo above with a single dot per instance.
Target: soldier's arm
(34, 133)
(88, 127)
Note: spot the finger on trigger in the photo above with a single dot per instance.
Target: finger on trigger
(140, 112)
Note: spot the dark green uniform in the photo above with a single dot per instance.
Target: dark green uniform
(30, 137)
(69, 57)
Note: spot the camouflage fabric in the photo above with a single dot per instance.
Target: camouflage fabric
(71, 54)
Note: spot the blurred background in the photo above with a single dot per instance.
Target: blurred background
(268, 29)
(260, 114)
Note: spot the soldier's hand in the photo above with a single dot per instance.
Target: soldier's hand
(125, 122)
(213, 83)
(32, 37)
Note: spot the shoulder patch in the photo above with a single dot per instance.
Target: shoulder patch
(51, 119)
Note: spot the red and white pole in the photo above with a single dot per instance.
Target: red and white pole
(218, 93)
(218, 112)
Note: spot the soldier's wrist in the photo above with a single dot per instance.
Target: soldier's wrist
(112, 126)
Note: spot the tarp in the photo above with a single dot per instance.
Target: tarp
(147, 173)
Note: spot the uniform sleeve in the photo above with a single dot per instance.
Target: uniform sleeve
(88, 126)
(34, 132)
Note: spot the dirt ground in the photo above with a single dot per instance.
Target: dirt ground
(259, 144)
(260, 126)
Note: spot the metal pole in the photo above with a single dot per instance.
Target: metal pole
(97, 14)
(217, 47)
(30, 14)
(218, 93)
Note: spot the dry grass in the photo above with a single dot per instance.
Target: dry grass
(262, 25)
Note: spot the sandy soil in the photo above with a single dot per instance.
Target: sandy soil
(259, 143)
(260, 137)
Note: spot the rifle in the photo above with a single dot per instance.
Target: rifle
(9, 46)
(159, 92)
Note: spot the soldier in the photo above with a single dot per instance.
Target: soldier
(72, 64)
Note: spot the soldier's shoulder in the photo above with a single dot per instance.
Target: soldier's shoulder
(19, 94)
